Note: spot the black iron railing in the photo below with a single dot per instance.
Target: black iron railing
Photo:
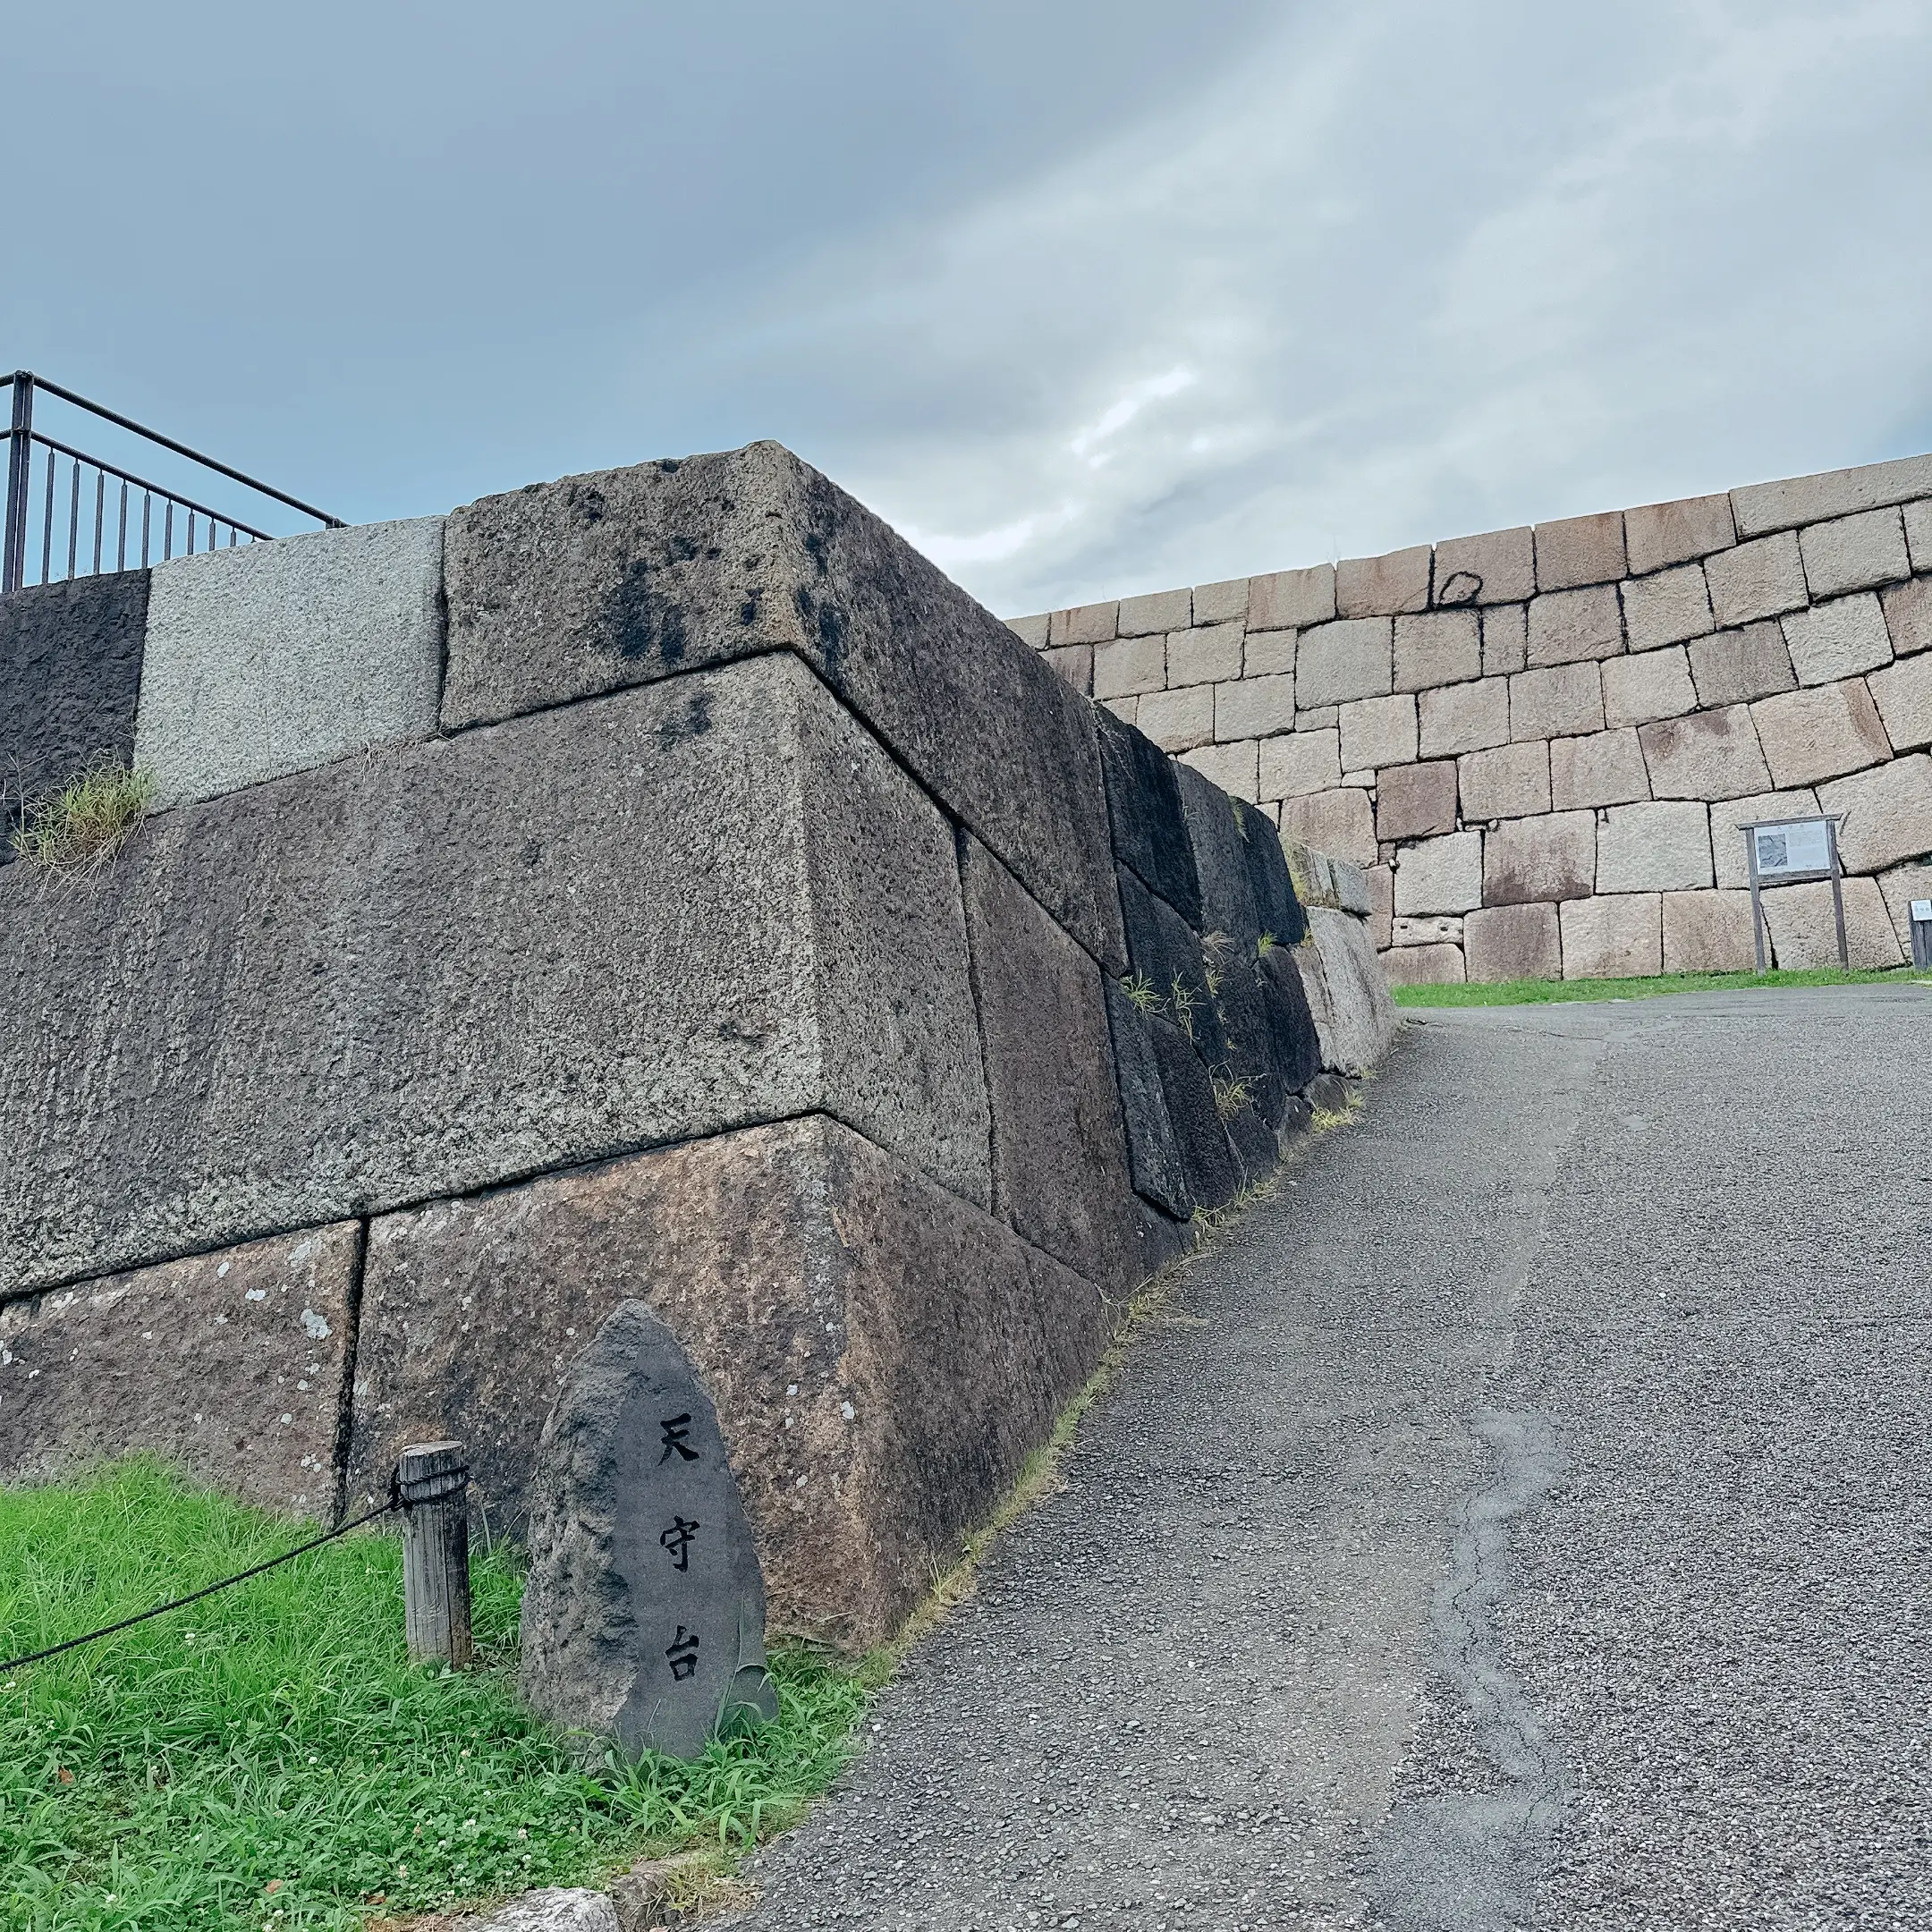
(70, 514)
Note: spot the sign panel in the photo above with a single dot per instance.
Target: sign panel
(1803, 847)
(1923, 909)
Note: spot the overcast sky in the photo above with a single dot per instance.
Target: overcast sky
(1087, 296)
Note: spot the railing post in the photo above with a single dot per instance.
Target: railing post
(20, 454)
(432, 1484)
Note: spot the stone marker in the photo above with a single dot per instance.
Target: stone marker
(644, 1614)
(549, 1909)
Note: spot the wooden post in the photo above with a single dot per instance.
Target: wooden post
(433, 1483)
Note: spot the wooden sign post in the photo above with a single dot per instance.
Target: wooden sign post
(432, 1483)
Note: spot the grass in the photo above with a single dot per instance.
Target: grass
(79, 828)
(1526, 992)
(269, 1757)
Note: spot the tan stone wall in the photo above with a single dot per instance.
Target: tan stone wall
(1540, 743)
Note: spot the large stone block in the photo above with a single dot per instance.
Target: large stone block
(1727, 820)
(1074, 665)
(1900, 886)
(1736, 665)
(1153, 1145)
(1513, 942)
(1291, 600)
(1254, 707)
(1128, 666)
(1159, 611)
(1339, 822)
(1433, 648)
(1819, 733)
(1220, 860)
(1149, 828)
(1300, 762)
(1178, 720)
(1436, 964)
(883, 1356)
(1709, 755)
(1234, 767)
(1378, 731)
(1919, 534)
(1205, 655)
(1663, 847)
(1769, 506)
(1510, 782)
(1804, 929)
(1226, 602)
(1661, 534)
(1295, 1043)
(1083, 624)
(70, 670)
(1529, 860)
(1277, 905)
(598, 583)
(1706, 932)
(232, 1364)
(1562, 701)
(1908, 614)
(280, 657)
(1837, 640)
(1464, 718)
(1505, 640)
(1268, 653)
(1416, 801)
(1383, 586)
(1902, 691)
(1854, 552)
(1498, 567)
(1036, 632)
(1757, 580)
(1888, 813)
(677, 910)
(1579, 550)
(1604, 768)
(1568, 625)
(1440, 874)
(1353, 658)
(1666, 608)
(1212, 1167)
(1656, 686)
(1355, 1020)
(1170, 967)
(1612, 936)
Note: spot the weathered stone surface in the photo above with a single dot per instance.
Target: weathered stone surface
(1837, 640)
(1036, 631)
(1338, 822)
(277, 657)
(1381, 586)
(1908, 614)
(1208, 1163)
(1423, 965)
(1073, 665)
(856, 1326)
(1527, 860)
(1579, 550)
(1900, 886)
(1166, 952)
(643, 1617)
(1300, 762)
(69, 669)
(1854, 552)
(1820, 733)
(1291, 600)
(1561, 702)
(1355, 1020)
(1160, 611)
(1768, 506)
(1128, 666)
(1568, 625)
(1234, 767)
(1059, 1157)
(1440, 874)
(1464, 718)
(1510, 782)
(611, 925)
(1666, 608)
(1268, 653)
(1902, 691)
(1254, 707)
(1153, 1147)
(1663, 847)
(1441, 647)
(1335, 663)
(1757, 580)
(1082, 624)
(1277, 904)
(1206, 655)
(1513, 942)
(1656, 686)
(598, 582)
(1226, 602)
(1414, 800)
(1498, 567)
(1378, 731)
(1432, 930)
(1661, 534)
(1736, 665)
(1143, 799)
(1888, 813)
(1709, 755)
(1178, 720)
(1804, 930)
(550, 1909)
(1919, 534)
(1728, 819)
(1505, 640)
(1220, 860)
(1604, 768)
(1270, 1036)
(1380, 881)
(1612, 936)
(1707, 932)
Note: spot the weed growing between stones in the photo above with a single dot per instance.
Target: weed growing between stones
(78, 828)
(1139, 989)
(1230, 1095)
(1181, 999)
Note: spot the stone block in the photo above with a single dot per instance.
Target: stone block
(1160, 611)
(1854, 552)
(280, 656)
(1423, 965)
(1150, 834)
(1900, 886)
(1464, 718)
(1234, 767)
(1153, 1147)
(1565, 701)
(1178, 720)
(1513, 942)
(1656, 686)
(1737, 665)
(1902, 691)
(1819, 733)
(1317, 718)
(1709, 755)
(1908, 614)
(1667, 608)
(598, 583)
(1441, 647)
(855, 1326)
(1204, 655)
(1128, 668)
(1166, 954)
(1659, 535)
(1415, 800)
(1706, 932)
(1268, 653)
(1378, 731)
(1034, 631)
(1604, 768)
(1661, 847)
(1355, 1020)
(1770, 506)
(1568, 625)
(1888, 813)
(1728, 818)
(1220, 860)
(1058, 1157)
(1277, 906)
(1529, 860)
(70, 670)
(1209, 1163)
(1804, 930)
(1380, 881)
(1084, 623)
(1765, 578)
(232, 1364)
(1300, 762)
(1126, 709)
(1919, 535)
(1073, 663)
(1612, 936)
(1440, 874)
(1221, 603)
(1291, 600)
(561, 1909)
(1335, 663)
(1254, 707)
(1835, 640)
(1383, 586)
(1498, 567)
(1579, 550)
(1510, 782)
(1433, 929)
(1337, 822)
(1505, 640)
(601, 928)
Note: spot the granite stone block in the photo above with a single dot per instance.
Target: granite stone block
(1432, 930)
(1659, 535)
(1177, 720)
(1084, 623)
(1152, 1147)
(1498, 567)
(1221, 602)
(1781, 506)
(1165, 956)
(1568, 625)
(1220, 860)
(1579, 550)
(1667, 608)
(1604, 768)
(1278, 907)
(1235, 768)
(1035, 630)
(1268, 653)
(1380, 881)
(1757, 580)
(1709, 755)
(1737, 665)
(1213, 1171)
(1612, 936)
(1205, 656)
(1291, 600)
(1339, 822)
(1073, 663)
(1706, 932)
(1300, 762)
(1562, 701)
(1854, 552)
(1377, 732)
(1656, 686)
(1464, 718)
(1440, 874)
(1661, 847)
(1127, 667)
(1902, 691)
(1505, 640)
(1254, 707)
(1819, 733)
(1888, 813)
(1150, 834)
(1383, 586)
(1335, 663)
(1355, 1020)
(1804, 928)
(1908, 614)
(1441, 647)
(1424, 965)
(1512, 942)
(1837, 639)
(1919, 535)
(1160, 611)
(1530, 859)
(1510, 782)
(1900, 886)
(1416, 801)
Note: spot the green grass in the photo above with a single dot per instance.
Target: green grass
(269, 1757)
(81, 826)
(1526, 992)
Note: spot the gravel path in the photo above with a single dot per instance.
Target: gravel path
(1524, 1520)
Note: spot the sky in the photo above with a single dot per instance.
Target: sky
(1087, 297)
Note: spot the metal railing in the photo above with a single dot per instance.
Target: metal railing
(71, 514)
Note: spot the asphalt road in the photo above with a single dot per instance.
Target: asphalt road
(1524, 1520)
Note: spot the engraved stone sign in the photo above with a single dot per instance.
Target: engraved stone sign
(644, 1612)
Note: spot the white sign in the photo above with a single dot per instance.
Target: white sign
(1804, 846)
(1923, 909)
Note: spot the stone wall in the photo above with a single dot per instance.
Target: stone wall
(1540, 743)
(660, 884)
